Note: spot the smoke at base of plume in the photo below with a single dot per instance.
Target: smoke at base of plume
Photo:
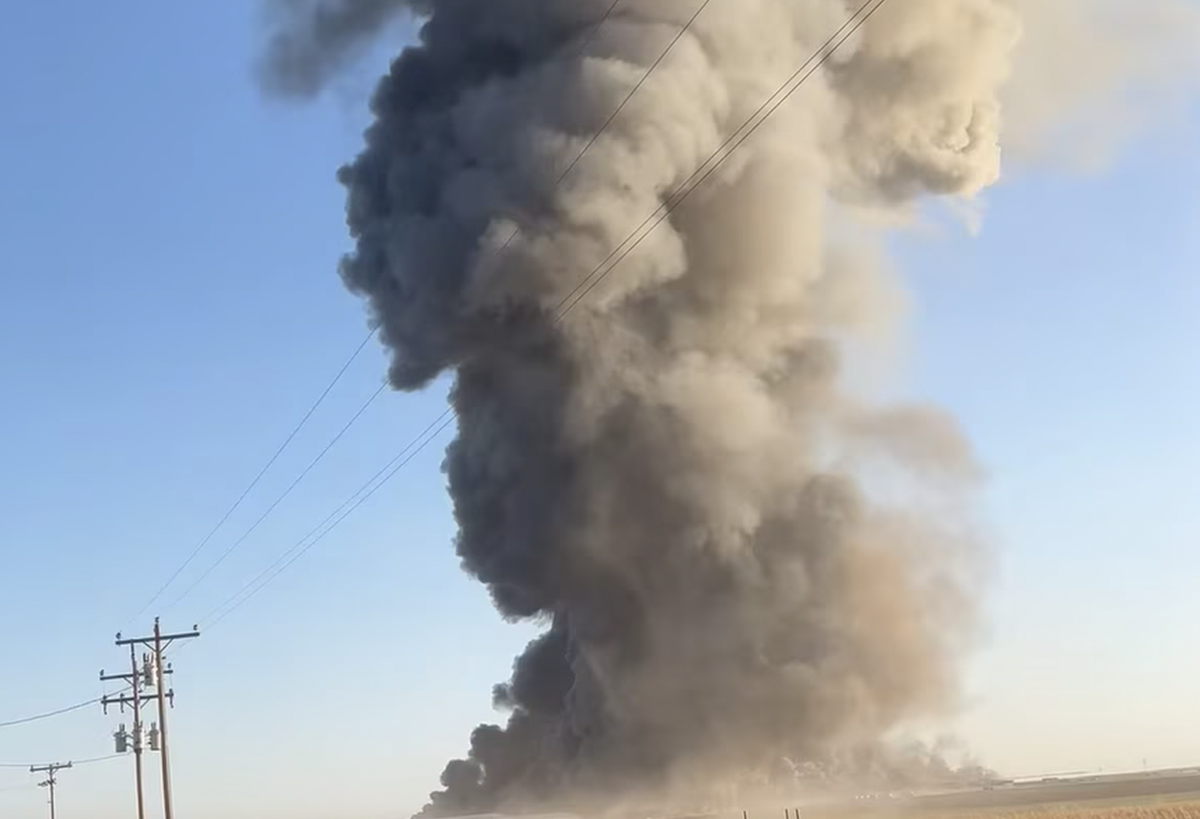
(738, 560)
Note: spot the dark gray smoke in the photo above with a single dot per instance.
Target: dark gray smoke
(311, 39)
(737, 559)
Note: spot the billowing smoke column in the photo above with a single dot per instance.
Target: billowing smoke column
(736, 558)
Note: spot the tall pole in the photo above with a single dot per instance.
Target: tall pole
(51, 781)
(157, 643)
(168, 813)
(136, 680)
(138, 733)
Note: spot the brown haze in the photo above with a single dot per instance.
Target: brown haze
(736, 558)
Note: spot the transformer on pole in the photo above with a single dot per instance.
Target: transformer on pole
(148, 676)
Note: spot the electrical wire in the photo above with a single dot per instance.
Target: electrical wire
(722, 154)
(750, 126)
(245, 492)
(594, 31)
(633, 91)
(620, 107)
(316, 535)
(94, 760)
(650, 70)
(59, 712)
(48, 715)
(233, 547)
(74, 763)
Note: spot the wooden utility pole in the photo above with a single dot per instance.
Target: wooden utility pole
(138, 732)
(137, 680)
(51, 779)
(157, 643)
(162, 721)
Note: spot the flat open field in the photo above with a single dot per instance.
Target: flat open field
(1165, 810)
(1112, 790)
(1171, 794)
(1163, 794)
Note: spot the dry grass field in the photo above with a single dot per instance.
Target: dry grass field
(1161, 810)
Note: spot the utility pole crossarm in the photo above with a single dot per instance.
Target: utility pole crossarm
(150, 676)
(166, 639)
(120, 700)
(50, 771)
(127, 699)
(128, 677)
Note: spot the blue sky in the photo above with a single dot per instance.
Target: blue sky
(169, 308)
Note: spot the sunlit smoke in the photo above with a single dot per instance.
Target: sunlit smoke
(737, 558)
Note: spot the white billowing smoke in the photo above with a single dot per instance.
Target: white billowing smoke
(737, 559)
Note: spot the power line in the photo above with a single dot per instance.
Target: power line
(719, 156)
(750, 126)
(245, 492)
(96, 759)
(587, 41)
(49, 714)
(591, 37)
(620, 107)
(312, 538)
(204, 542)
(650, 70)
(703, 173)
(633, 91)
(233, 547)
(75, 764)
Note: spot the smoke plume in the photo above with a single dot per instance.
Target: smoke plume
(736, 558)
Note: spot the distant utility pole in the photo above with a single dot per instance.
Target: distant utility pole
(51, 779)
(150, 676)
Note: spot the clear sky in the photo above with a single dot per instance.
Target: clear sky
(169, 309)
